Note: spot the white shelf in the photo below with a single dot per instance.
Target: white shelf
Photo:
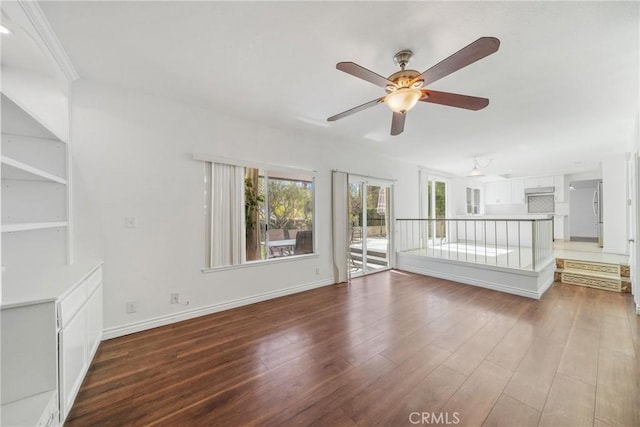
(8, 228)
(13, 169)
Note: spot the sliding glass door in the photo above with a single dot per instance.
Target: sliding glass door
(369, 226)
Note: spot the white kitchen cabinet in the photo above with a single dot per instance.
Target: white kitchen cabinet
(560, 227)
(498, 193)
(517, 191)
(559, 183)
(539, 181)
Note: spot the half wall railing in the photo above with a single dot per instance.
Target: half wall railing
(524, 244)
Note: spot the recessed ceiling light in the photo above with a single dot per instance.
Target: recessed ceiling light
(5, 30)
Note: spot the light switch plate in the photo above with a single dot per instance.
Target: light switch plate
(130, 222)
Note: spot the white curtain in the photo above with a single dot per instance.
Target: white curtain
(227, 215)
(341, 238)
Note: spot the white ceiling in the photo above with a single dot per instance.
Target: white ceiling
(563, 85)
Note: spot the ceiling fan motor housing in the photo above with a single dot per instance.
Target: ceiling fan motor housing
(404, 79)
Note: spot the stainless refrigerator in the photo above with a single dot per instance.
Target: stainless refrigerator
(597, 210)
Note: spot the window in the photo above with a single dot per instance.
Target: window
(257, 214)
(473, 201)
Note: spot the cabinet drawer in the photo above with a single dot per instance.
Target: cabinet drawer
(94, 280)
(72, 303)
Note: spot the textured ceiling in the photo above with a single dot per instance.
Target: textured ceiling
(563, 86)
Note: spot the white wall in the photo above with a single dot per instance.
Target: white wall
(614, 192)
(582, 222)
(132, 157)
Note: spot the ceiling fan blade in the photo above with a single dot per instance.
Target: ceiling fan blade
(455, 100)
(363, 73)
(480, 48)
(397, 123)
(356, 109)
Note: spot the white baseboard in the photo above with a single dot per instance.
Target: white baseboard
(155, 322)
(477, 282)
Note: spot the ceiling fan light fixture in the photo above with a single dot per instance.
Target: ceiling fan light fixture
(475, 172)
(403, 99)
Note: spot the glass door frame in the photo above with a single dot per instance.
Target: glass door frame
(364, 183)
(428, 205)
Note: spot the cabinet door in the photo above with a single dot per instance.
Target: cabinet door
(559, 188)
(504, 192)
(94, 322)
(73, 359)
(491, 193)
(538, 181)
(517, 191)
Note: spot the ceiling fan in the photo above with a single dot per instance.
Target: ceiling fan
(406, 87)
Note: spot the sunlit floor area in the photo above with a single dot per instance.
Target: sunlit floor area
(479, 253)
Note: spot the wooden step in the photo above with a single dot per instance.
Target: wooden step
(598, 275)
(591, 281)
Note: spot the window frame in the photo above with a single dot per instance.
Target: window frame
(208, 161)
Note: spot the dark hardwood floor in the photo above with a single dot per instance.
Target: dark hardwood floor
(392, 348)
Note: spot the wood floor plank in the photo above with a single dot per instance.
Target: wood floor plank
(514, 345)
(372, 352)
(570, 402)
(429, 395)
(510, 412)
(618, 389)
(369, 405)
(580, 357)
(475, 398)
(532, 380)
(467, 358)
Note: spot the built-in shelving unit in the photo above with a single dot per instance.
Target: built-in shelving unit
(9, 228)
(34, 189)
(14, 169)
(51, 307)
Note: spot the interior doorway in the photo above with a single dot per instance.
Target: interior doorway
(369, 217)
(585, 210)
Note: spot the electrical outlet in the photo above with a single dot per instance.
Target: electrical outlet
(317, 270)
(132, 307)
(175, 298)
(130, 222)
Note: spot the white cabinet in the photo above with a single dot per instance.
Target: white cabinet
(517, 191)
(539, 181)
(94, 322)
(559, 184)
(560, 227)
(73, 359)
(80, 313)
(498, 193)
(51, 327)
